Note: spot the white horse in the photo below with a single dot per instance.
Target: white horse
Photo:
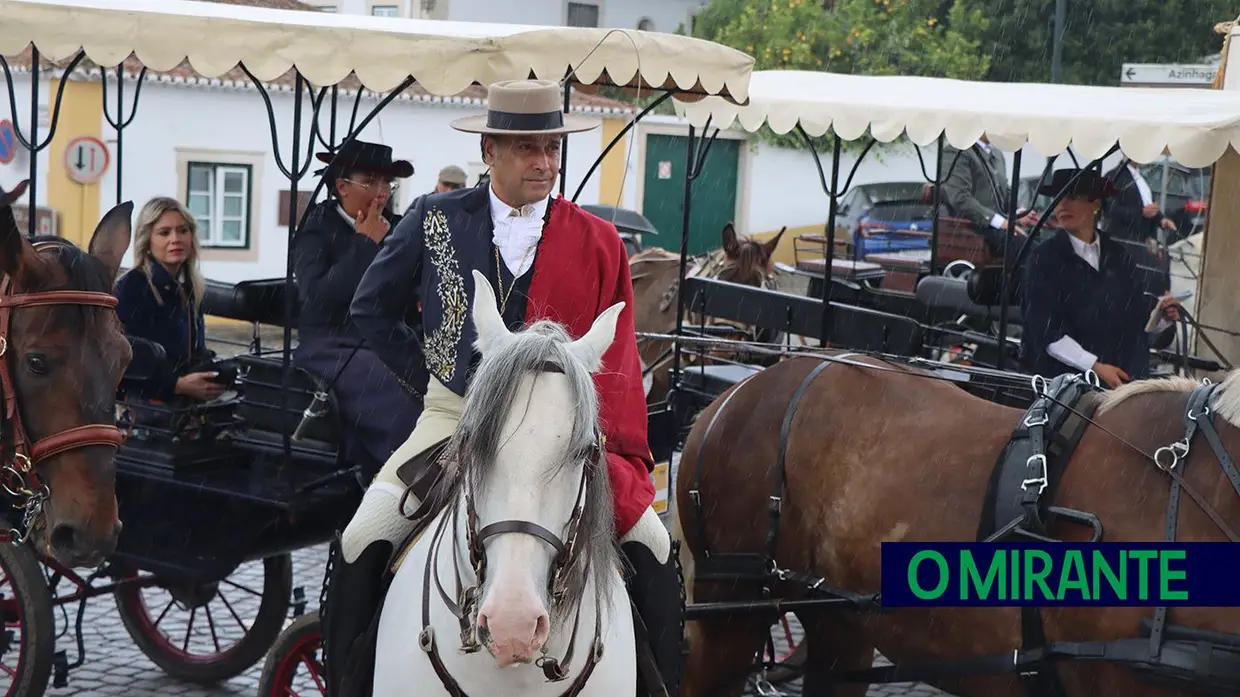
(531, 514)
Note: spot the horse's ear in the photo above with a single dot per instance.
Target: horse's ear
(731, 245)
(590, 348)
(111, 237)
(17, 256)
(768, 247)
(487, 320)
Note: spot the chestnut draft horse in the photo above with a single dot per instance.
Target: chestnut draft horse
(889, 453)
(62, 355)
(656, 287)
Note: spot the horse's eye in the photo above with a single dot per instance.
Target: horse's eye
(37, 364)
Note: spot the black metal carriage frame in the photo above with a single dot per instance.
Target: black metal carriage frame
(268, 482)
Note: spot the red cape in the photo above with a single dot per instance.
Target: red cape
(582, 269)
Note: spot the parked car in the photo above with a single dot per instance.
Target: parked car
(877, 218)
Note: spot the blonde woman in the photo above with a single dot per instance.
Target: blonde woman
(160, 300)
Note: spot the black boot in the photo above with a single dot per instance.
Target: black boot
(353, 598)
(655, 590)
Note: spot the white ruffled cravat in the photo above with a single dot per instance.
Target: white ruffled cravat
(516, 232)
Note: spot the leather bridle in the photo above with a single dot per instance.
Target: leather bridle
(465, 606)
(18, 475)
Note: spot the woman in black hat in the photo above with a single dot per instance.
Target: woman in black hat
(341, 237)
(1084, 306)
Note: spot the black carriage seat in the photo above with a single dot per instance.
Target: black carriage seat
(259, 301)
(264, 419)
(716, 379)
(147, 361)
(941, 294)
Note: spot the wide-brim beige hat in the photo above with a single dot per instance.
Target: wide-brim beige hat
(524, 107)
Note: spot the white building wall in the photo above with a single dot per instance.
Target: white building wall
(233, 124)
(19, 169)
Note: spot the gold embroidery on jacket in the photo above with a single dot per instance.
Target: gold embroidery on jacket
(441, 344)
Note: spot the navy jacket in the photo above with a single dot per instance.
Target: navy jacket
(397, 280)
(329, 259)
(1105, 311)
(174, 325)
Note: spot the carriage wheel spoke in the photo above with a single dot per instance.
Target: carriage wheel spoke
(238, 586)
(11, 671)
(165, 612)
(236, 617)
(316, 671)
(189, 627)
(211, 624)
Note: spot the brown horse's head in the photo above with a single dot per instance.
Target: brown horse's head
(748, 261)
(65, 360)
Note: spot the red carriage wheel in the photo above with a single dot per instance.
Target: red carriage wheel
(28, 640)
(208, 633)
(294, 665)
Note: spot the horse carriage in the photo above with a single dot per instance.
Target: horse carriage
(251, 477)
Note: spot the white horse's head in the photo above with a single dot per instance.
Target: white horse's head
(530, 452)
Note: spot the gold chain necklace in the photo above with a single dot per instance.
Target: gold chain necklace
(499, 276)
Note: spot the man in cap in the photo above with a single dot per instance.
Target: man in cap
(341, 237)
(451, 178)
(548, 259)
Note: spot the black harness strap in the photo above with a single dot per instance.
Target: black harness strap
(776, 502)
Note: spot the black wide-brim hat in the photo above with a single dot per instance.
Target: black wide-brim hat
(366, 157)
(1090, 183)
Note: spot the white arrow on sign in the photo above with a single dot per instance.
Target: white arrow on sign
(1166, 74)
(86, 159)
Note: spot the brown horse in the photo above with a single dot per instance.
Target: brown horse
(656, 287)
(62, 355)
(878, 455)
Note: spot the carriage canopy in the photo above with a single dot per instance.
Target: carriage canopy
(444, 57)
(1194, 125)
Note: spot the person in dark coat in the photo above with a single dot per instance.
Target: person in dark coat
(1133, 214)
(159, 300)
(341, 237)
(1084, 305)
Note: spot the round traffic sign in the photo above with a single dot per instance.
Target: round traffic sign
(86, 159)
(8, 142)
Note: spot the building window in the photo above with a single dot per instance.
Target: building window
(219, 197)
(646, 24)
(327, 8)
(582, 14)
(385, 11)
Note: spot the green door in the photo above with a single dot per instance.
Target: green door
(714, 192)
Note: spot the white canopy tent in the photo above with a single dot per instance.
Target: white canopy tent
(444, 57)
(1193, 125)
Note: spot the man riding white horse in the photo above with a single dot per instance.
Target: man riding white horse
(546, 259)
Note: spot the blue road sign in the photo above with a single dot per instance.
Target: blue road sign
(8, 142)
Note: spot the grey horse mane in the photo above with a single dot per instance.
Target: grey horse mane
(492, 395)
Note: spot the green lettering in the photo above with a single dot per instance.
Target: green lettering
(1014, 594)
(1073, 576)
(1166, 574)
(1119, 584)
(970, 579)
(1038, 577)
(944, 576)
(1143, 556)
